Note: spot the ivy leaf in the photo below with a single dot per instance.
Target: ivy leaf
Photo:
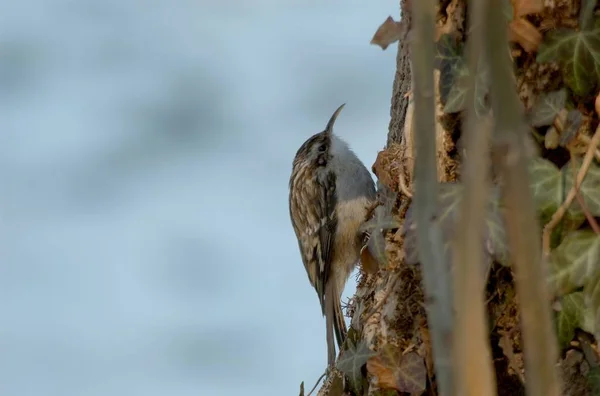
(591, 298)
(547, 107)
(593, 379)
(404, 373)
(574, 261)
(569, 317)
(548, 185)
(578, 53)
(376, 228)
(450, 196)
(589, 189)
(572, 124)
(586, 14)
(352, 360)
(449, 61)
(457, 97)
(412, 374)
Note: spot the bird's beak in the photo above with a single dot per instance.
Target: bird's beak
(329, 128)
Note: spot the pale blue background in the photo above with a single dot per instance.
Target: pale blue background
(145, 150)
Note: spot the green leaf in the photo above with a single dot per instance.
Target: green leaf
(450, 195)
(574, 261)
(351, 361)
(449, 61)
(548, 185)
(586, 14)
(454, 75)
(569, 317)
(589, 189)
(547, 107)
(405, 373)
(591, 298)
(578, 53)
(572, 124)
(457, 97)
(593, 379)
(411, 374)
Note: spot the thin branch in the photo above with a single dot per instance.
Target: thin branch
(436, 277)
(472, 353)
(560, 212)
(402, 183)
(586, 211)
(315, 387)
(588, 140)
(539, 339)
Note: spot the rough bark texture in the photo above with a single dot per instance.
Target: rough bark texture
(388, 308)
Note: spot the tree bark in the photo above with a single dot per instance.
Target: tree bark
(388, 307)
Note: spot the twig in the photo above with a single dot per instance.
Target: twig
(586, 211)
(390, 287)
(589, 217)
(588, 140)
(315, 387)
(474, 374)
(537, 329)
(402, 183)
(437, 280)
(560, 212)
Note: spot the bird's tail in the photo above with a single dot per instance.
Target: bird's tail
(339, 324)
(334, 321)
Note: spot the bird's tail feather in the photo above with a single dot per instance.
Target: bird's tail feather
(339, 323)
(334, 322)
(329, 324)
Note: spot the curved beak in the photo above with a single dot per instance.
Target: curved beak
(329, 127)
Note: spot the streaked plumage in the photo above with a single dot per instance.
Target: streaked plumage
(330, 192)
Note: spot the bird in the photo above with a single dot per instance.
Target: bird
(330, 194)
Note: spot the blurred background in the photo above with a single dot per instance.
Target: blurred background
(145, 151)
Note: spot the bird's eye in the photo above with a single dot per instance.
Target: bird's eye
(322, 148)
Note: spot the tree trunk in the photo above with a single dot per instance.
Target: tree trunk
(388, 309)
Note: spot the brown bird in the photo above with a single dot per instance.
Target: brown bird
(330, 193)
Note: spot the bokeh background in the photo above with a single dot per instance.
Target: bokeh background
(145, 150)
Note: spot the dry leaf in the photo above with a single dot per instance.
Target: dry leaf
(385, 376)
(383, 169)
(389, 32)
(369, 264)
(523, 32)
(552, 138)
(507, 348)
(526, 7)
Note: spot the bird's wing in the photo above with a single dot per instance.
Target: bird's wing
(316, 241)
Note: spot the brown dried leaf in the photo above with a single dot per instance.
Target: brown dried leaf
(507, 348)
(552, 138)
(389, 32)
(525, 34)
(369, 264)
(383, 168)
(526, 7)
(385, 376)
